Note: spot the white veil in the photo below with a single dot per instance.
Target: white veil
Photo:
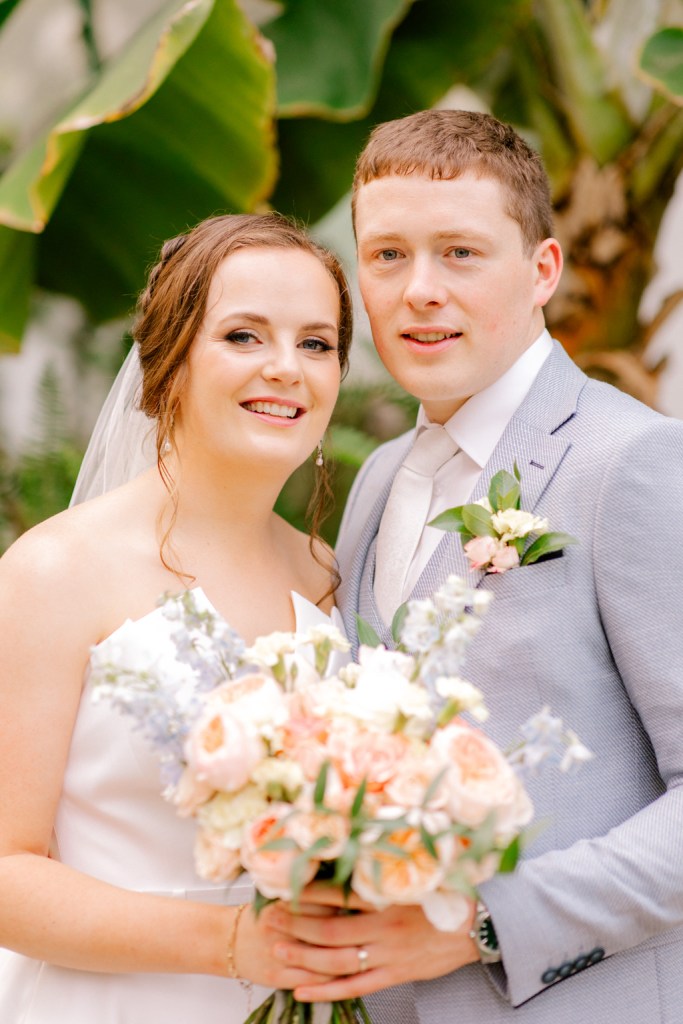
(122, 443)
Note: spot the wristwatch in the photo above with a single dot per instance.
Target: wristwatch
(484, 936)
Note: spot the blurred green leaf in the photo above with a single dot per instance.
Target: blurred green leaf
(437, 44)
(17, 250)
(398, 620)
(329, 55)
(661, 62)
(178, 127)
(366, 634)
(349, 445)
(594, 111)
(6, 8)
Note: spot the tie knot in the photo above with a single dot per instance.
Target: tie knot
(432, 448)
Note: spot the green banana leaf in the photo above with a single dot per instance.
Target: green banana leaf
(437, 44)
(330, 55)
(6, 8)
(178, 127)
(661, 62)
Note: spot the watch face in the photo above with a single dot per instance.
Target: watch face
(487, 934)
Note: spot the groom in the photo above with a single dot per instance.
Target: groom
(456, 262)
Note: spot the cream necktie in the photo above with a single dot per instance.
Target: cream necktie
(405, 516)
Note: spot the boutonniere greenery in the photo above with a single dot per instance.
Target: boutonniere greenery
(496, 533)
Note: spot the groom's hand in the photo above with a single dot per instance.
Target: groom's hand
(400, 943)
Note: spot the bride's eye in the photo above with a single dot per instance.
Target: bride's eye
(241, 337)
(317, 345)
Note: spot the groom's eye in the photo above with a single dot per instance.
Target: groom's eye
(388, 255)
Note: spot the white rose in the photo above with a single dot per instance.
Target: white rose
(228, 814)
(279, 778)
(511, 523)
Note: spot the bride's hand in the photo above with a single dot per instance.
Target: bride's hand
(255, 942)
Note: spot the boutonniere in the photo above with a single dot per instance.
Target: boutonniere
(496, 532)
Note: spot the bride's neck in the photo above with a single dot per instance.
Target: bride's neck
(233, 501)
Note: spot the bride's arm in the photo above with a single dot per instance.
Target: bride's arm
(48, 911)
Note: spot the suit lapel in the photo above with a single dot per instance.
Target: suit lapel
(533, 441)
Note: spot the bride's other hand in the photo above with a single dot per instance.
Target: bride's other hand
(255, 943)
(400, 943)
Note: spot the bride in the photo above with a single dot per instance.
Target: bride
(243, 335)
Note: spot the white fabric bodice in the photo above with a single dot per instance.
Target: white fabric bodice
(112, 823)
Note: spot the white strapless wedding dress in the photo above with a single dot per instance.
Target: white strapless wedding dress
(112, 823)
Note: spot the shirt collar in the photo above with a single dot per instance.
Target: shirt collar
(478, 425)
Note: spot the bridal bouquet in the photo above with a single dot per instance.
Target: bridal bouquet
(374, 777)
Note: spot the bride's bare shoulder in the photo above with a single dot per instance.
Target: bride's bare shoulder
(79, 546)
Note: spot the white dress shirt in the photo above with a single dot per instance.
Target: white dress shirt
(476, 428)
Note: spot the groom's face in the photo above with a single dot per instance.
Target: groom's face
(452, 294)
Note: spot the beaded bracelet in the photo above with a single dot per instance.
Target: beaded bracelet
(232, 971)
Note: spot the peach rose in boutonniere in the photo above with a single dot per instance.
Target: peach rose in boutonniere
(495, 531)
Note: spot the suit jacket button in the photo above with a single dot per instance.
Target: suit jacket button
(597, 955)
(549, 976)
(581, 962)
(565, 969)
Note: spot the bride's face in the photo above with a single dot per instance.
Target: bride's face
(264, 369)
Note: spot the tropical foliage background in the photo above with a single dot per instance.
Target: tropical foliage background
(224, 105)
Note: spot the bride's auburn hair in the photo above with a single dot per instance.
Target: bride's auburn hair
(170, 314)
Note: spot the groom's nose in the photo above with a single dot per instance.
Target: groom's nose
(424, 286)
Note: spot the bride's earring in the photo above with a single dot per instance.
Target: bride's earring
(166, 446)
(319, 461)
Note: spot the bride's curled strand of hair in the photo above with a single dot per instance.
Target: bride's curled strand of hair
(168, 251)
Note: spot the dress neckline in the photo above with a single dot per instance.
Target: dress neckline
(306, 614)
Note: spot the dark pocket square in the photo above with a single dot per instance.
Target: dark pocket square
(548, 557)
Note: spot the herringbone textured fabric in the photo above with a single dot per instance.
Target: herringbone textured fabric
(597, 634)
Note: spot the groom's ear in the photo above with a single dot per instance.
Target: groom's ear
(547, 259)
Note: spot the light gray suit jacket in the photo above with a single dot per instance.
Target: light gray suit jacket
(591, 922)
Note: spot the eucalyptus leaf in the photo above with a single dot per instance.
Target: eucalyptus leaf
(366, 634)
(260, 901)
(282, 843)
(430, 792)
(398, 620)
(346, 862)
(451, 520)
(357, 804)
(320, 786)
(504, 491)
(477, 521)
(510, 856)
(545, 545)
(428, 843)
